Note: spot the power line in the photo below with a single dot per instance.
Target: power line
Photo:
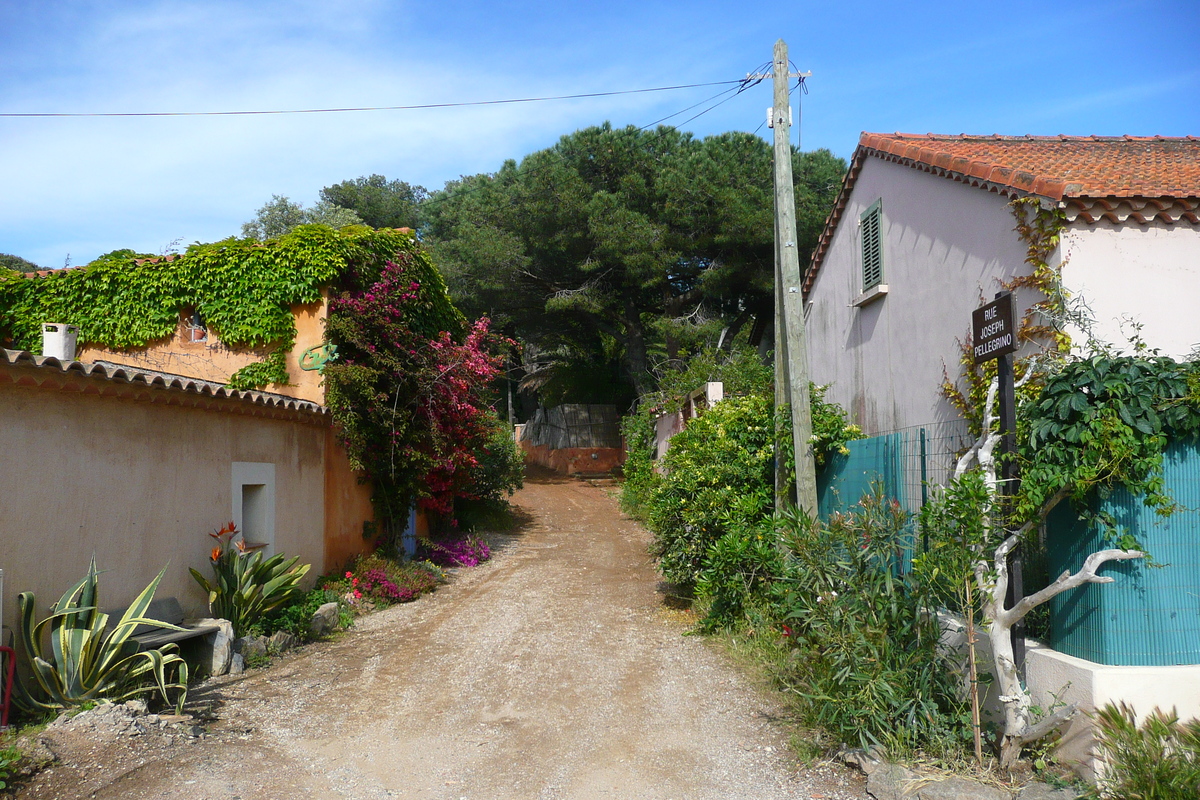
(741, 82)
(733, 92)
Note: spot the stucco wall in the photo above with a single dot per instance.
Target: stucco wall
(946, 245)
(212, 360)
(139, 480)
(347, 506)
(1145, 273)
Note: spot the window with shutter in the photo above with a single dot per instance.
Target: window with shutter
(871, 225)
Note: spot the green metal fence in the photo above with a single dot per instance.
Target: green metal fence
(1148, 616)
(905, 463)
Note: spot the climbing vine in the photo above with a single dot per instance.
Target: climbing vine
(244, 290)
(1040, 229)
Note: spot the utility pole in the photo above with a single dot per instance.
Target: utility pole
(790, 348)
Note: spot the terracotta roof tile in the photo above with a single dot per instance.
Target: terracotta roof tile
(119, 373)
(1058, 166)
(1117, 178)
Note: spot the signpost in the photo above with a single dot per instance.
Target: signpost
(994, 335)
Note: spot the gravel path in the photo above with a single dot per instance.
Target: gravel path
(553, 671)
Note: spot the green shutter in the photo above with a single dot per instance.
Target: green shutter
(871, 224)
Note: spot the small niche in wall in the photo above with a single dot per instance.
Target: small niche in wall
(253, 492)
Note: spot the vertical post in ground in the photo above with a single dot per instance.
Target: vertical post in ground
(791, 336)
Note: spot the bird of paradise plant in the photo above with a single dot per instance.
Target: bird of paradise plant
(246, 586)
(87, 659)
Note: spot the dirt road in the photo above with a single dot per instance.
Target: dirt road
(552, 671)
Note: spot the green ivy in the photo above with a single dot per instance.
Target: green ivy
(244, 289)
(1103, 423)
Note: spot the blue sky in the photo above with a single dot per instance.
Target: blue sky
(85, 186)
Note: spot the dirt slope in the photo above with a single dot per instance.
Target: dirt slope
(553, 671)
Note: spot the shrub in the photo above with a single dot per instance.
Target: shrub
(87, 660)
(498, 472)
(1160, 760)
(245, 586)
(719, 477)
(296, 617)
(740, 570)
(741, 371)
(864, 657)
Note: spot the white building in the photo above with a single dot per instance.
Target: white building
(922, 233)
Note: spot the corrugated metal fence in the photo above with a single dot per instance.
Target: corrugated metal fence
(1149, 616)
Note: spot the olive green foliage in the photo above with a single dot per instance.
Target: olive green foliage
(379, 202)
(1158, 760)
(865, 661)
(719, 476)
(295, 617)
(281, 216)
(498, 473)
(244, 289)
(739, 571)
(955, 529)
(741, 371)
(245, 586)
(89, 660)
(859, 653)
(12, 262)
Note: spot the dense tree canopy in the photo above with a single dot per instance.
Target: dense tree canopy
(623, 245)
(280, 215)
(9, 261)
(379, 202)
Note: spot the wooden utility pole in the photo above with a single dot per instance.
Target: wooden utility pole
(789, 340)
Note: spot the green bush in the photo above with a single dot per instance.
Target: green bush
(499, 471)
(296, 617)
(1160, 760)
(864, 650)
(245, 586)
(741, 371)
(719, 474)
(740, 570)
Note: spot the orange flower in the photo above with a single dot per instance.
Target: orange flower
(216, 554)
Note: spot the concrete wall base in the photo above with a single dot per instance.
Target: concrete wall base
(1055, 678)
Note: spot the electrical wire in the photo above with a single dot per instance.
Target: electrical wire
(733, 91)
(741, 83)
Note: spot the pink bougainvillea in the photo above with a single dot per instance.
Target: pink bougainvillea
(410, 391)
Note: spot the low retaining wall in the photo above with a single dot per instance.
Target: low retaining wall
(575, 460)
(1056, 678)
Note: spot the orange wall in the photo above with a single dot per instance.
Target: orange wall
(347, 507)
(575, 460)
(211, 360)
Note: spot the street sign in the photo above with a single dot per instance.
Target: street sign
(993, 329)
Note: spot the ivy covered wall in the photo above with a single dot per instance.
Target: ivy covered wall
(242, 288)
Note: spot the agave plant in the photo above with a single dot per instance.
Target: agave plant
(246, 586)
(87, 659)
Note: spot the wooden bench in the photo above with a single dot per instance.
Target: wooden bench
(166, 609)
